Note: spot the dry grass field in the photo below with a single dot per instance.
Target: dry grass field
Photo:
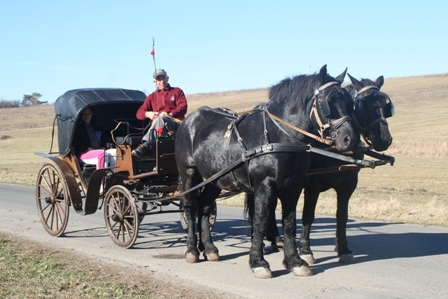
(414, 190)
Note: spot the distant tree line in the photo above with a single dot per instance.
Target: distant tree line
(28, 100)
(9, 104)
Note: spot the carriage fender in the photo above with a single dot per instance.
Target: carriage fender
(93, 190)
(70, 180)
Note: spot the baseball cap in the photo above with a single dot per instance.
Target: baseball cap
(159, 72)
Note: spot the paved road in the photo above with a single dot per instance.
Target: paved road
(393, 260)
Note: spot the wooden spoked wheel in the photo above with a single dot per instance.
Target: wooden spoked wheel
(121, 216)
(52, 199)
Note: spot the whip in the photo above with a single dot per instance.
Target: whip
(153, 53)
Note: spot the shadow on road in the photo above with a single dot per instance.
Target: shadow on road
(366, 239)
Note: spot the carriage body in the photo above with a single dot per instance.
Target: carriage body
(127, 188)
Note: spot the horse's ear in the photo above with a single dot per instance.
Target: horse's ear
(379, 81)
(323, 73)
(356, 83)
(341, 77)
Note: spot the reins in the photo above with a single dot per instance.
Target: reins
(306, 133)
(279, 120)
(268, 148)
(247, 155)
(289, 148)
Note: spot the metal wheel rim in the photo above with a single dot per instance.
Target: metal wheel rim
(121, 216)
(52, 200)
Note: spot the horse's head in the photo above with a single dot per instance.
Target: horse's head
(331, 107)
(318, 104)
(371, 108)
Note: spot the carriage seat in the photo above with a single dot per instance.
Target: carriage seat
(129, 140)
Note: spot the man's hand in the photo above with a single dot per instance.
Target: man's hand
(153, 115)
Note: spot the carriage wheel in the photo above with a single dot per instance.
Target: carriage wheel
(52, 199)
(121, 216)
(184, 221)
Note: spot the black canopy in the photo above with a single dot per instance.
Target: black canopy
(109, 106)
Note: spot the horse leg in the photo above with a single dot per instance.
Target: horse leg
(264, 200)
(189, 202)
(206, 203)
(272, 234)
(292, 260)
(308, 214)
(344, 253)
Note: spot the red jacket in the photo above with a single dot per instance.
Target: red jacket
(171, 100)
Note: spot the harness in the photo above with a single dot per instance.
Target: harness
(268, 148)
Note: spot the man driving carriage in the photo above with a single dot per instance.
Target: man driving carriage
(165, 107)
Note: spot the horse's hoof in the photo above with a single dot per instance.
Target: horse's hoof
(309, 258)
(303, 270)
(261, 272)
(191, 258)
(212, 257)
(347, 259)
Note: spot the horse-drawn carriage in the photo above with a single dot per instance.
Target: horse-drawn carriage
(212, 146)
(127, 188)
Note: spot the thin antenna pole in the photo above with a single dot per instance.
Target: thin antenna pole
(153, 53)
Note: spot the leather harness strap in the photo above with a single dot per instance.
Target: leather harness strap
(315, 137)
(248, 155)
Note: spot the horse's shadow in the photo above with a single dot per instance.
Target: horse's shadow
(172, 235)
(374, 245)
(364, 240)
(369, 245)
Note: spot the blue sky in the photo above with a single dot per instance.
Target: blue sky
(210, 46)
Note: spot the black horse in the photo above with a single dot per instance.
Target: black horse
(371, 108)
(267, 155)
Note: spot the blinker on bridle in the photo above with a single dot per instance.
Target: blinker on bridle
(322, 106)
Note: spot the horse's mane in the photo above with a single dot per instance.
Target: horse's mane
(294, 92)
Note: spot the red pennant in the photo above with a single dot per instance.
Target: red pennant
(153, 52)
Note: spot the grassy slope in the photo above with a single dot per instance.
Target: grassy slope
(413, 190)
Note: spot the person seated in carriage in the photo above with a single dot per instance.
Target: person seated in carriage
(165, 107)
(89, 140)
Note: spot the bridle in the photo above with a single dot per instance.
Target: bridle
(320, 110)
(367, 128)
